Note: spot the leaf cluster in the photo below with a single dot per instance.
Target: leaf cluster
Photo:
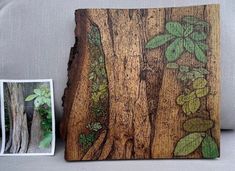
(193, 141)
(189, 35)
(86, 140)
(40, 96)
(190, 100)
(99, 83)
(42, 102)
(94, 36)
(187, 74)
(46, 125)
(98, 88)
(94, 126)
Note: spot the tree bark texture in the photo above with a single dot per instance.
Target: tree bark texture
(142, 119)
(18, 120)
(36, 134)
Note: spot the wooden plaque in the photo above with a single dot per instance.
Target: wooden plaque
(143, 84)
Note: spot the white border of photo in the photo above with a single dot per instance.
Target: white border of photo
(3, 118)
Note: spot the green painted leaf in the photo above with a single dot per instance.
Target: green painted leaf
(190, 96)
(202, 46)
(94, 36)
(180, 100)
(175, 28)
(198, 36)
(172, 65)
(159, 40)
(201, 92)
(203, 70)
(197, 74)
(189, 45)
(82, 138)
(199, 83)
(101, 59)
(91, 76)
(200, 56)
(90, 137)
(202, 25)
(187, 91)
(102, 87)
(188, 29)
(46, 141)
(190, 19)
(174, 50)
(96, 126)
(198, 23)
(179, 75)
(189, 75)
(209, 148)
(184, 68)
(188, 144)
(186, 109)
(86, 140)
(194, 105)
(197, 125)
(31, 97)
(183, 78)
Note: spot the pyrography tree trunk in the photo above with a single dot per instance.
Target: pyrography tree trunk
(126, 70)
(169, 117)
(144, 120)
(129, 122)
(20, 134)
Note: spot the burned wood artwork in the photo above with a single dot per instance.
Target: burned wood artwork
(143, 84)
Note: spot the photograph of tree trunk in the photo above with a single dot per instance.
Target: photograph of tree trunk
(28, 117)
(143, 84)
(1, 145)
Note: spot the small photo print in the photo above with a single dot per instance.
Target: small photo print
(27, 117)
(1, 146)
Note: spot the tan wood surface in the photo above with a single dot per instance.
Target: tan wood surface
(137, 91)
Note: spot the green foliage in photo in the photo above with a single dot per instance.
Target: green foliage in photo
(42, 103)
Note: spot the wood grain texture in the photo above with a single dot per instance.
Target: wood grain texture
(121, 100)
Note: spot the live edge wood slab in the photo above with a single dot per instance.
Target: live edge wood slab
(143, 84)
